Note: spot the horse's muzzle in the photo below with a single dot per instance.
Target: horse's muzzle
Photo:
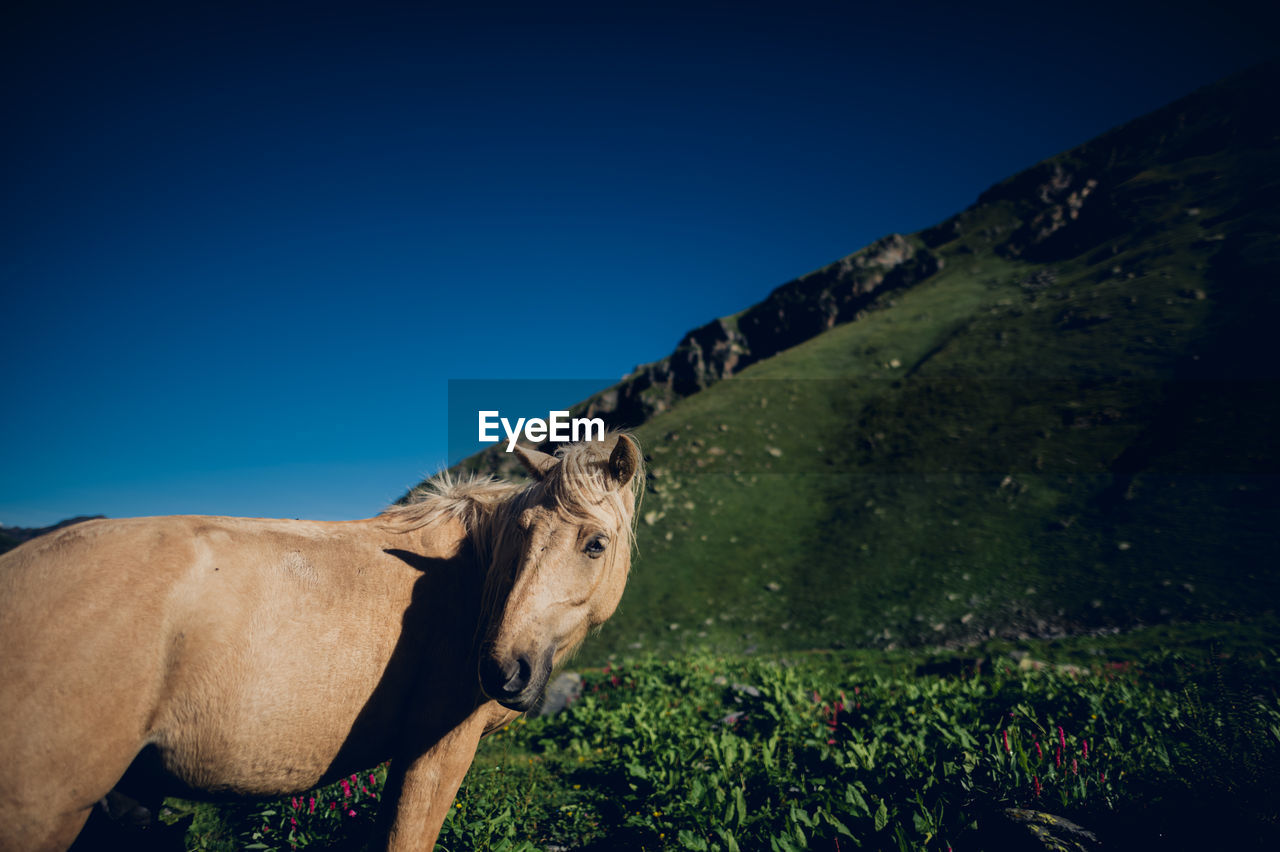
(515, 682)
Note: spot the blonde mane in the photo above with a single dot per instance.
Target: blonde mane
(446, 496)
(579, 486)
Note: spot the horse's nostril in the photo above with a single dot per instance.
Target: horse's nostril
(520, 670)
(506, 678)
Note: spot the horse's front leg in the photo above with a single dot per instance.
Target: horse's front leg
(421, 789)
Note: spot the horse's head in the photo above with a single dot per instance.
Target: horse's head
(559, 555)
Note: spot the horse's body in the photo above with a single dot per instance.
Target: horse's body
(261, 657)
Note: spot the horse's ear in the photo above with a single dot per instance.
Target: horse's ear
(538, 463)
(624, 461)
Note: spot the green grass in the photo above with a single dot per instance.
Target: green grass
(863, 750)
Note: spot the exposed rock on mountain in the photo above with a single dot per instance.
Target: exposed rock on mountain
(791, 314)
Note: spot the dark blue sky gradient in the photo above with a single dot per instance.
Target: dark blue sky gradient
(245, 248)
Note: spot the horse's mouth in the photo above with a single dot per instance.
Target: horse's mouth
(520, 705)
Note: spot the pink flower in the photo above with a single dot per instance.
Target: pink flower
(1084, 749)
(1036, 778)
(373, 782)
(351, 813)
(1039, 753)
(312, 809)
(1075, 767)
(1062, 738)
(333, 805)
(346, 789)
(1005, 734)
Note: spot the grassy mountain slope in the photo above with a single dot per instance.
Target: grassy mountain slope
(1059, 422)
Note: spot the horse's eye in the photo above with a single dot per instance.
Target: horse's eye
(596, 546)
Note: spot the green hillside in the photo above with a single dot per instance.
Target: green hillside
(1049, 414)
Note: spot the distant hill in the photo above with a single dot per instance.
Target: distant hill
(1050, 413)
(11, 537)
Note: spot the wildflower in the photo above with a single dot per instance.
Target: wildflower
(1075, 767)
(1084, 749)
(351, 813)
(1039, 753)
(333, 805)
(1005, 735)
(1062, 738)
(312, 808)
(293, 822)
(1102, 777)
(1036, 779)
(346, 789)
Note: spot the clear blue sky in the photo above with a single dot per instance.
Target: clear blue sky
(245, 248)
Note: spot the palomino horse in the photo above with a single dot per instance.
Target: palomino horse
(263, 657)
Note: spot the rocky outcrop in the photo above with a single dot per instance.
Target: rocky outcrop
(1085, 197)
(790, 315)
(1055, 203)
